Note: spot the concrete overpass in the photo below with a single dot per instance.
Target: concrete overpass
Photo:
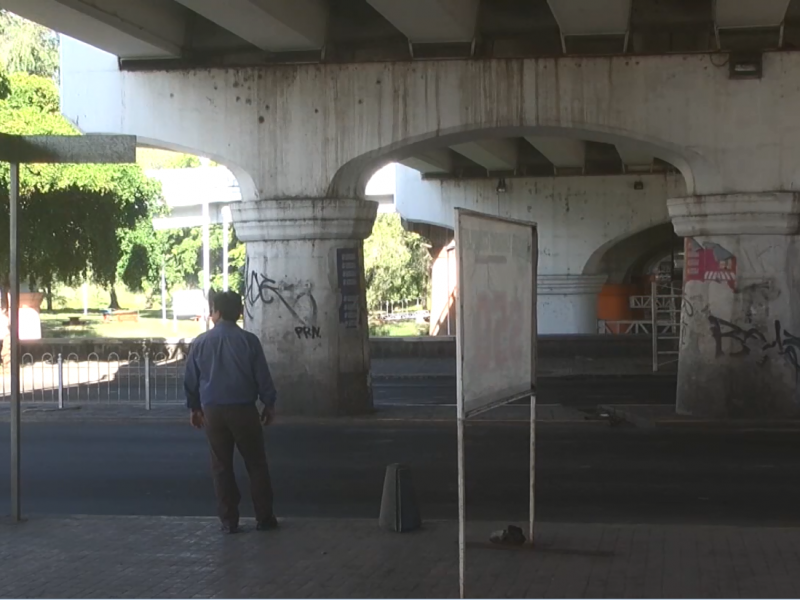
(613, 123)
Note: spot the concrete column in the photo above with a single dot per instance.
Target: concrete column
(741, 309)
(567, 304)
(305, 298)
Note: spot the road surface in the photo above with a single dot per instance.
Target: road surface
(586, 471)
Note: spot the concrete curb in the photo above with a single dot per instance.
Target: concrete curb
(563, 377)
(420, 415)
(391, 377)
(676, 422)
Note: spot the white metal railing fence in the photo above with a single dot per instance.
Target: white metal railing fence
(661, 321)
(146, 378)
(401, 310)
(665, 315)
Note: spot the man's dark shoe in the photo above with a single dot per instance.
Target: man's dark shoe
(268, 524)
(227, 528)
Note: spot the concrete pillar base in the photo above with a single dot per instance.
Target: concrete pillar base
(305, 298)
(567, 304)
(739, 356)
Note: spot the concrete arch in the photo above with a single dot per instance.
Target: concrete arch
(619, 258)
(351, 179)
(247, 185)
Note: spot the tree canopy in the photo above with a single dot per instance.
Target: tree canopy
(73, 218)
(27, 47)
(396, 263)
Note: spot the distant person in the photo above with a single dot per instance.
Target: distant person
(226, 372)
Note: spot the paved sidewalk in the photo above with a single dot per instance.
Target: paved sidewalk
(133, 557)
(135, 412)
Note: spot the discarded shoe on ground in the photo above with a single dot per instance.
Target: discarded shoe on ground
(510, 536)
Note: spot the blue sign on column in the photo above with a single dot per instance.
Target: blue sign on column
(350, 287)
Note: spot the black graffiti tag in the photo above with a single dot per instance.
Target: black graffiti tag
(308, 333)
(786, 344)
(733, 332)
(261, 289)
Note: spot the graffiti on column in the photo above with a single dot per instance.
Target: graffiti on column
(307, 333)
(298, 300)
(783, 343)
(349, 272)
(722, 329)
(687, 312)
(709, 262)
(788, 346)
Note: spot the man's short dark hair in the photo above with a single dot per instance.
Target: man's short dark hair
(229, 305)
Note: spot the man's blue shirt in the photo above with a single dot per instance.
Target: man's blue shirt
(226, 365)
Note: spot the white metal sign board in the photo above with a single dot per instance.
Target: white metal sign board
(496, 310)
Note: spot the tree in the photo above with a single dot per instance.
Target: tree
(396, 263)
(184, 258)
(27, 47)
(5, 84)
(72, 217)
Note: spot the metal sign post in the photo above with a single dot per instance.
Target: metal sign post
(496, 262)
(226, 222)
(15, 150)
(13, 313)
(207, 261)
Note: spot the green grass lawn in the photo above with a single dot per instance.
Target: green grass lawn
(92, 326)
(401, 329)
(150, 326)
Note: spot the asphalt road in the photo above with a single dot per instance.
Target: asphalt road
(586, 472)
(576, 393)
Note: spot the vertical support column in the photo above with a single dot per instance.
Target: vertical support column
(740, 322)
(305, 298)
(568, 303)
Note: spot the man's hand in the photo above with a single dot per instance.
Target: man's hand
(267, 416)
(197, 418)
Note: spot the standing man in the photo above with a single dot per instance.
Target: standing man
(226, 373)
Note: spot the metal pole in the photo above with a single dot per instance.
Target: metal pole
(147, 401)
(206, 256)
(450, 295)
(226, 214)
(60, 381)
(532, 500)
(206, 251)
(85, 298)
(654, 322)
(13, 311)
(462, 516)
(163, 293)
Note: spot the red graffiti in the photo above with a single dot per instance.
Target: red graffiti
(709, 262)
